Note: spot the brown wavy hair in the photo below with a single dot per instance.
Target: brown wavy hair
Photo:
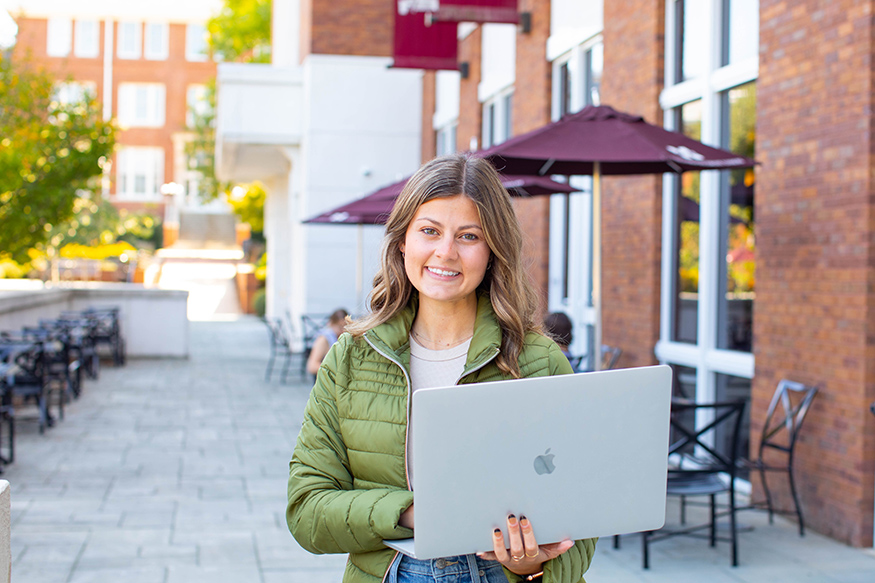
(506, 282)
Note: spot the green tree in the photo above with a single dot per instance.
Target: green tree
(241, 31)
(49, 151)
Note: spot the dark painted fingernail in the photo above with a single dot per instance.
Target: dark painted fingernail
(510, 516)
(496, 531)
(522, 517)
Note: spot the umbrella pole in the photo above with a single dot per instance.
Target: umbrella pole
(597, 263)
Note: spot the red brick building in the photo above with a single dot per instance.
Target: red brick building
(773, 276)
(147, 66)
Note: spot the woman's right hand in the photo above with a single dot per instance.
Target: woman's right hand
(406, 518)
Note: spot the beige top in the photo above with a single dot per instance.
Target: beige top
(432, 368)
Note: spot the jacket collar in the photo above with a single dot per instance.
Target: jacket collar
(394, 336)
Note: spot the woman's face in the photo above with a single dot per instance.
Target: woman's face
(445, 250)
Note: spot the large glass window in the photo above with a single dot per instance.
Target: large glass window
(86, 42)
(735, 308)
(686, 310)
(446, 139)
(59, 36)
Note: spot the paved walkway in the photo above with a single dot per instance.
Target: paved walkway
(172, 471)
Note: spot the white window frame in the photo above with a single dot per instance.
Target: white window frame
(141, 105)
(86, 40)
(156, 41)
(138, 161)
(195, 42)
(59, 37)
(704, 357)
(130, 40)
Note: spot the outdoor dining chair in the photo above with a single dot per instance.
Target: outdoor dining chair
(700, 468)
(280, 345)
(787, 411)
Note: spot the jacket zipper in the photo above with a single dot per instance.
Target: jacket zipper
(407, 413)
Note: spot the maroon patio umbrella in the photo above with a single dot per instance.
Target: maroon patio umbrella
(601, 140)
(374, 208)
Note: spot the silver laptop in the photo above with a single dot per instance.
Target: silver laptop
(580, 456)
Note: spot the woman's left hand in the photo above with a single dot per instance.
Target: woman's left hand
(523, 555)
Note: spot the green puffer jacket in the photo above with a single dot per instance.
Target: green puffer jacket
(348, 478)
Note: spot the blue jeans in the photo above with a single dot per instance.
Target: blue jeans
(460, 569)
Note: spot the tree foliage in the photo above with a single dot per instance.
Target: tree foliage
(49, 151)
(241, 31)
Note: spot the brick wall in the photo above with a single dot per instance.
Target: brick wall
(470, 112)
(632, 206)
(815, 223)
(531, 110)
(429, 145)
(348, 27)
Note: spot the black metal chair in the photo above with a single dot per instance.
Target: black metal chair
(311, 325)
(787, 411)
(280, 345)
(702, 469)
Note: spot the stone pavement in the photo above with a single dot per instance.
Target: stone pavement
(172, 471)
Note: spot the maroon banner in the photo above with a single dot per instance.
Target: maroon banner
(419, 45)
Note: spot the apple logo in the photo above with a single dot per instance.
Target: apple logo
(544, 463)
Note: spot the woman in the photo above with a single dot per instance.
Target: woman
(325, 339)
(450, 304)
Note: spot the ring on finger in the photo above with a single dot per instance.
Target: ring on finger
(517, 558)
(537, 552)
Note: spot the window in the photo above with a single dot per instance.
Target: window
(74, 92)
(141, 104)
(738, 289)
(157, 36)
(87, 41)
(592, 81)
(708, 240)
(445, 120)
(130, 42)
(59, 37)
(140, 173)
(446, 139)
(497, 115)
(686, 308)
(197, 104)
(195, 42)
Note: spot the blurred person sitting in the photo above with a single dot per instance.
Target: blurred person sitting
(558, 327)
(326, 337)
